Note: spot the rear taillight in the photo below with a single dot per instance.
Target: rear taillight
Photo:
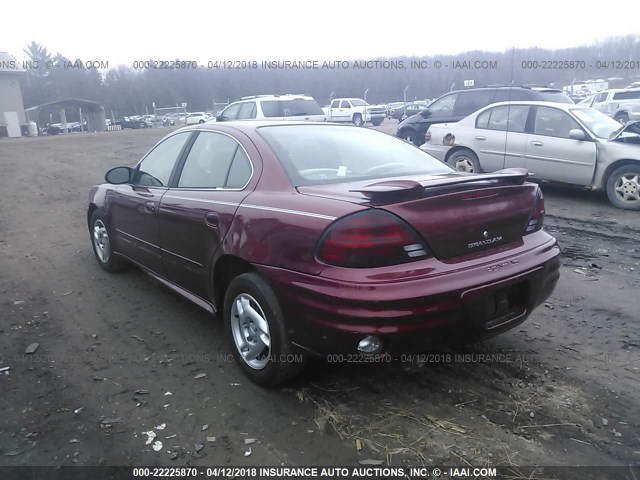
(427, 136)
(537, 216)
(373, 238)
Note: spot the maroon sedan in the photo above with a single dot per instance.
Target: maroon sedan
(310, 239)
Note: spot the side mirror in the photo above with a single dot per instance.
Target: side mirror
(425, 113)
(219, 118)
(119, 175)
(576, 134)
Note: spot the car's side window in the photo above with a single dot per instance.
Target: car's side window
(209, 161)
(240, 171)
(248, 110)
(155, 169)
(444, 106)
(231, 112)
(345, 104)
(335, 104)
(482, 120)
(553, 123)
(505, 118)
(469, 102)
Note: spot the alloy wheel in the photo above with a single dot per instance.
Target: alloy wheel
(627, 188)
(101, 241)
(250, 331)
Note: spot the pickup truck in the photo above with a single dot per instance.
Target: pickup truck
(622, 105)
(354, 110)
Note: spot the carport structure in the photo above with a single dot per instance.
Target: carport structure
(92, 112)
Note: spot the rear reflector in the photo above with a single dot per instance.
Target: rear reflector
(373, 238)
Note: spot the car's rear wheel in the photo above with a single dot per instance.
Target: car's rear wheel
(622, 117)
(201, 121)
(623, 187)
(465, 161)
(256, 327)
(410, 136)
(357, 120)
(102, 246)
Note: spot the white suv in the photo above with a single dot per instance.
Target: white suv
(273, 107)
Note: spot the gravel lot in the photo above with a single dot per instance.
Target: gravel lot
(118, 354)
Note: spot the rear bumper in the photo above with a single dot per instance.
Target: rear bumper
(331, 316)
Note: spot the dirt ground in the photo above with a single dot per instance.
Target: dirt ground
(118, 355)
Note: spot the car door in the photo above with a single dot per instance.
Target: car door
(344, 112)
(499, 139)
(134, 207)
(196, 214)
(552, 155)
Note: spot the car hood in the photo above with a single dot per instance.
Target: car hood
(631, 127)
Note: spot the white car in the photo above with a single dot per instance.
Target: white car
(197, 117)
(273, 107)
(555, 142)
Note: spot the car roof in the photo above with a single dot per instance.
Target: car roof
(561, 105)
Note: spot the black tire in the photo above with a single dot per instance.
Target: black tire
(282, 362)
(465, 161)
(111, 263)
(622, 118)
(357, 120)
(623, 197)
(409, 136)
(377, 121)
(201, 121)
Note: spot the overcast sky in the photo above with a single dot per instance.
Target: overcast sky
(123, 31)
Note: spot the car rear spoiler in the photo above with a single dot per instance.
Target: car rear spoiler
(508, 176)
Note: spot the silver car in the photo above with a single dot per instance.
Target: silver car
(556, 142)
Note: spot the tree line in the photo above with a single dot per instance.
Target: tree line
(129, 91)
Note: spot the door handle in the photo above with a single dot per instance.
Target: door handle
(537, 144)
(150, 207)
(480, 137)
(212, 219)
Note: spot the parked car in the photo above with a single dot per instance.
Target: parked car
(391, 107)
(456, 105)
(555, 141)
(313, 238)
(620, 104)
(273, 107)
(354, 110)
(150, 120)
(404, 111)
(131, 122)
(198, 117)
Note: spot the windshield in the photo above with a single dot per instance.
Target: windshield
(320, 154)
(601, 125)
(358, 103)
(290, 108)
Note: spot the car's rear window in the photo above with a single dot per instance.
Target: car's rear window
(290, 108)
(320, 154)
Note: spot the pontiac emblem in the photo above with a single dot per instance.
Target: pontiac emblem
(485, 234)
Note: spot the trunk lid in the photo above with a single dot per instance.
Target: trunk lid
(456, 214)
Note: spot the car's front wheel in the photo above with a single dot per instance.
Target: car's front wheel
(623, 187)
(409, 136)
(377, 121)
(357, 120)
(465, 161)
(256, 327)
(102, 246)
